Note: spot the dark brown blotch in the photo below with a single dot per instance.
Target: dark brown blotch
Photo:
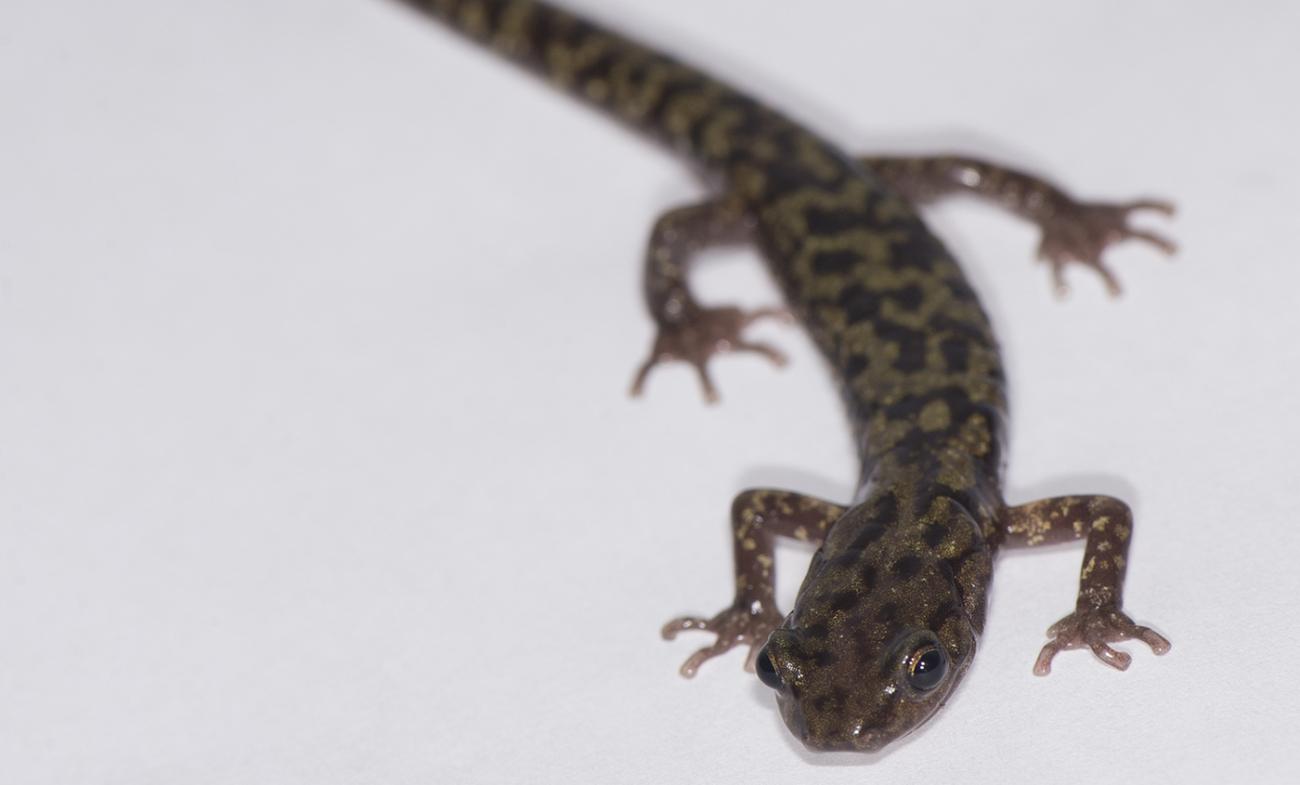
(911, 345)
(885, 508)
(934, 534)
(845, 561)
(906, 566)
(823, 658)
(854, 365)
(816, 632)
(836, 262)
(830, 703)
(859, 304)
(843, 600)
(918, 249)
(909, 297)
(971, 332)
(832, 221)
(946, 611)
(870, 533)
(956, 354)
(598, 68)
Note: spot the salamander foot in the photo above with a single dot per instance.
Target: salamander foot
(1081, 231)
(1095, 628)
(737, 625)
(699, 333)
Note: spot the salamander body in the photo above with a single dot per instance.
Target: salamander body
(886, 622)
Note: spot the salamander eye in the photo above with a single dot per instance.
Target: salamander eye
(766, 670)
(926, 667)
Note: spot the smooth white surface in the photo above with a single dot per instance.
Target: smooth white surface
(316, 464)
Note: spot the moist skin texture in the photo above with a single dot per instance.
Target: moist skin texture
(887, 620)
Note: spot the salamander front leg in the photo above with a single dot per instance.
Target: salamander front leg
(1097, 620)
(686, 330)
(758, 517)
(1073, 231)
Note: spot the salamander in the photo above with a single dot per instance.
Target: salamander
(887, 620)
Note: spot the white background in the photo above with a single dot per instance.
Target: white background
(316, 463)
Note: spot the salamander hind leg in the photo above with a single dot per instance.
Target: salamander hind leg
(758, 517)
(1097, 620)
(686, 330)
(1073, 231)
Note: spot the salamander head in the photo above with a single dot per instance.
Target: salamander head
(880, 637)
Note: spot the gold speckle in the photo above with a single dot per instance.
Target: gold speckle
(935, 416)
(474, 19)
(511, 37)
(749, 181)
(975, 435)
(812, 154)
(746, 523)
(597, 89)
(764, 150)
(684, 111)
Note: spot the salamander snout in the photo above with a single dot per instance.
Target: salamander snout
(857, 698)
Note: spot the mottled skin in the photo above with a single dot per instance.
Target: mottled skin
(895, 596)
